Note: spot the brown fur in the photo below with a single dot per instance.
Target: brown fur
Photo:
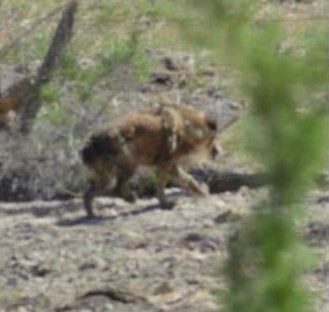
(11, 101)
(162, 138)
(8, 119)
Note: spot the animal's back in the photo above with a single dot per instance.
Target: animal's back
(134, 138)
(143, 134)
(140, 137)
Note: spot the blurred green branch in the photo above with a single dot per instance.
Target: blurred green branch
(265, 257)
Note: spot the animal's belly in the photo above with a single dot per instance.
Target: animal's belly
(146, 151)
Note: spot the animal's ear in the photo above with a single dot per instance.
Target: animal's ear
(212, 123)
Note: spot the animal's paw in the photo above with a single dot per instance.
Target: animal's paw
(130, 197)
(90, 217)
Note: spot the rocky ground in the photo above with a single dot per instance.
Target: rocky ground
(134, 257)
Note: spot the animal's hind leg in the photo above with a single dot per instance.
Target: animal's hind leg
(88, 196)
(122, 188)
(95, 187)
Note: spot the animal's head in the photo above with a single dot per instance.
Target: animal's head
(201, 133)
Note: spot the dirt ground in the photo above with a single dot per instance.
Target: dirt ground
(134, 257)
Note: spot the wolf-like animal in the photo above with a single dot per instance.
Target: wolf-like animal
(162, 138)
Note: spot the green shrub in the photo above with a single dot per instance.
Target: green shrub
(265, 259)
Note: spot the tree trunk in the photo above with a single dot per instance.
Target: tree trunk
(30, 102)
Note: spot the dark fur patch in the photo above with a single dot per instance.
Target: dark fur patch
(98, 146)
(214, 152)
(212, 124)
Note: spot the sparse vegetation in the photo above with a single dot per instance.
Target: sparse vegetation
(271, 55)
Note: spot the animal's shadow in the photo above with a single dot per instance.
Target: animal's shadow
(101, 219)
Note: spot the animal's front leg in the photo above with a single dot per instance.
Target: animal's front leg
(88, 196)
(186, 181)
